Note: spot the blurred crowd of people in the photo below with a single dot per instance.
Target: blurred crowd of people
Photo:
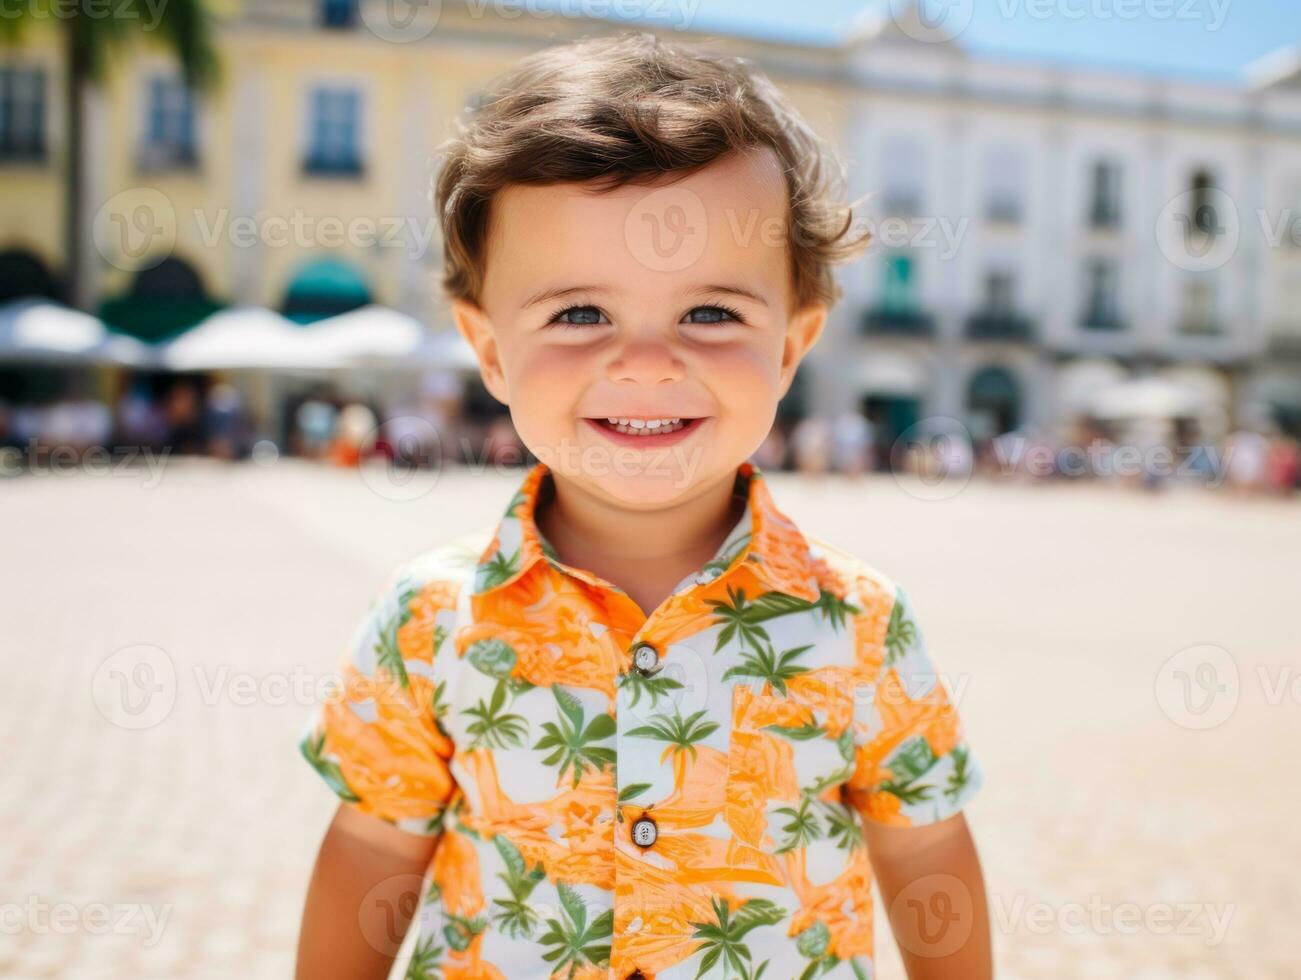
(438, 424)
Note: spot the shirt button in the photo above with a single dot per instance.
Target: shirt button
(636, 975)
(644, 832)
(645, 658)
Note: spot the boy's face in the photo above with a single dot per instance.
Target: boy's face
(649, 303)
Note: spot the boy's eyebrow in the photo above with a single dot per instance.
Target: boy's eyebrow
(560, 292)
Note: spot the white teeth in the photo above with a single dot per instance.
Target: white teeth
(644, 427)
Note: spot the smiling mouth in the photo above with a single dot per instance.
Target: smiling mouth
(645, 427)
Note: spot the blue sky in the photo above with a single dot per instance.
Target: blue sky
(1211, 39)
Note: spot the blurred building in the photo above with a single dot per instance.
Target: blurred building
(1040, 231)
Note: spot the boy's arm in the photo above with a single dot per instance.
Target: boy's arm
(934, 893)
(364, 888)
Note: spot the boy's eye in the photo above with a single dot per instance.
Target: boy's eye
(713, 314)
(579, 316)
(590, 316)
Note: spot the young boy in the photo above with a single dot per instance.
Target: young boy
(643, 727)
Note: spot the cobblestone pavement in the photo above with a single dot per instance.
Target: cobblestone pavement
(1120, 834)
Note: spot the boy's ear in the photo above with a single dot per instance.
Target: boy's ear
(476, 328)
(802, 332)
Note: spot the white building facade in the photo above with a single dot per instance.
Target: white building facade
(1041, 233)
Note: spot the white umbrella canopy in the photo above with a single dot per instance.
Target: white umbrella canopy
(368, 333)
(1150, 398)
(33, 329)
(248, 338)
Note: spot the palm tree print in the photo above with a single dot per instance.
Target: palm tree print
(724, 937)
(499, 569)
(495, 728)
(575, 943)
(516, 916)
(742, 618)
(573, 743)
(681, 734)
(900, 634)
(803, 826)
(960, 777)
(313, 749)
(767, 665)
(426, 961)
(656, 686)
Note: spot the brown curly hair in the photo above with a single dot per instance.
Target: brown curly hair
(629, 108)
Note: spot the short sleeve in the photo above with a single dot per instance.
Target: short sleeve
(376, 739)
(913, 763)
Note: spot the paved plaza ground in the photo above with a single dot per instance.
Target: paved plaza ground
(1128, 666)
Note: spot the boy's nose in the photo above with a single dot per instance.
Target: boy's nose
(647, 362)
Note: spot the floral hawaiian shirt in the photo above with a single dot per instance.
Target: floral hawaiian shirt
(618, 795)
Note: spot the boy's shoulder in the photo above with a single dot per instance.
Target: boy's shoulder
(854, 573)
(448, 567)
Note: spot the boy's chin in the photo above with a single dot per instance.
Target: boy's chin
(633, 478)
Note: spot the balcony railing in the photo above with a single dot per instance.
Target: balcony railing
(995, 325)
(902, 322)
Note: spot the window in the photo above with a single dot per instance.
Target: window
(1102, 290)
(898, 284)
(338, 13)
(22, 114)
(1205, 220)
(335, 132)
(169, 123)
(1199, 314)
(1004, 180)
(903, 166)
(1104, 195)
(1000, 293)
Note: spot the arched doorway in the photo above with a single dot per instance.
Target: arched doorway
(993, 401)
(324, 287)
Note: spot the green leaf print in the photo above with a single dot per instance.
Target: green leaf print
(313, 749)
(724, 937)
(426, 961)
(961, 774)
(516, 916)
(498, 570)
(767, 665)
(495, 728)
(493, 657)
(655, 686)
(574, 942)
(573, 743)
(901, 633)
(803, 826)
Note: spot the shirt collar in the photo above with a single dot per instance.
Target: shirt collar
(763, 538)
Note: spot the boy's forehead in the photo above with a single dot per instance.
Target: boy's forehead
(726, 221)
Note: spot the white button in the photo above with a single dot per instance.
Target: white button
(644, 832)
(645, 658)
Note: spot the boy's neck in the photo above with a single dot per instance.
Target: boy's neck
(644, 552)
